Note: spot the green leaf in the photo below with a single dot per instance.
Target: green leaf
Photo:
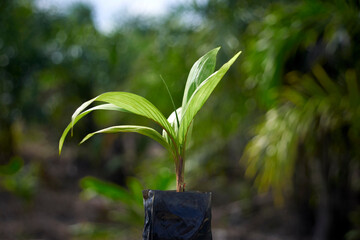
(326, 81)
(135, 188)
(200, 96)
(12, 167)
(200, 71)
(352, 87)
(132, 103)
(137, 129)
(110, 107)
(106, 189)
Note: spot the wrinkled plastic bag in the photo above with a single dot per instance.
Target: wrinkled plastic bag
(171, 215)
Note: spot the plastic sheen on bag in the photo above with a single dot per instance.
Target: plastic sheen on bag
(171, 215)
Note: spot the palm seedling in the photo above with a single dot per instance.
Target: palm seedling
(201, 81)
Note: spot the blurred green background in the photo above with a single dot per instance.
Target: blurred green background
(277, 143)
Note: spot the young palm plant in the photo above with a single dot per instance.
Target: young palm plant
(201, 81)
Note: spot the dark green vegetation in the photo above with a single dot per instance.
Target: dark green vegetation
(286, 116)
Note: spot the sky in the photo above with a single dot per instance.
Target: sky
(106, 11)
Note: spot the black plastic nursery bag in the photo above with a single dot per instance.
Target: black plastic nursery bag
(171, 215)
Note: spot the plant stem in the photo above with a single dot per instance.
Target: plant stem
(180, 184)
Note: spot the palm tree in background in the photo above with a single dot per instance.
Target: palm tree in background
(303, 65)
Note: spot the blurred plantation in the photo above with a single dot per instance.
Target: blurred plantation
(277, 142)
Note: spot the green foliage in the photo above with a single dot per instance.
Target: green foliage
(77, 118)
(130, 198)
(12, 167)
(298, 89)
(200, 84)
(19, 179)
(311, 98)
(199, 97)
(200, 71)
(137, 129)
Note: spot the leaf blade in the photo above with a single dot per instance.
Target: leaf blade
(200, 71)
(200, 96)
(149, 132)
(132, 103)
(110, 107)
(106, 189)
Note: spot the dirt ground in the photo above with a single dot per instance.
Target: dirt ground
(51, 215)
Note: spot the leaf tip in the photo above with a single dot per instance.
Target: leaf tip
(61, 142)
(237, 55)
(215, 50)
(233, 59)
(85, 138)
